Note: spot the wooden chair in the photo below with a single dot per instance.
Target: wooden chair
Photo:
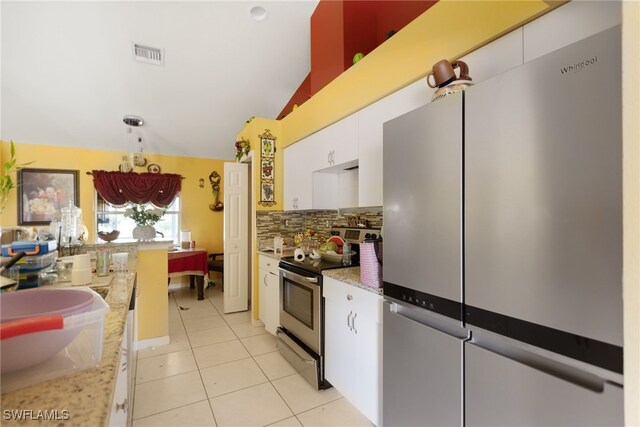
(216, 263)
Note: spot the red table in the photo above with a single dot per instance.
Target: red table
(192, 262)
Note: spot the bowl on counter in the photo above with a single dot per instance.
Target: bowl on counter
(110, 236)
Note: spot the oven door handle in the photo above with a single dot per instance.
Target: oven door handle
(290, 275)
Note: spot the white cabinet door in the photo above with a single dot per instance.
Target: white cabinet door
(496, 57)
(262, 295)
(343, 140)
(336, 144)
(120, 403)
(568, 24)
(273, 302)
(353, 342)
(269, 303)
(339, 345)
(297, 176)
(371, 120)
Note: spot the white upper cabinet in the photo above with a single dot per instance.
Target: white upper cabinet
(371, 120)
(496, 57)
(343, 140)
(297, 176)
(335, 144)
(568, 24)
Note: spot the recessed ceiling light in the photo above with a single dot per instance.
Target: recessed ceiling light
(258, 13)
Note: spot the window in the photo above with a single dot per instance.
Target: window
(112, 218)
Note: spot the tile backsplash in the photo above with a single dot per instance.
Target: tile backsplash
(271, 224)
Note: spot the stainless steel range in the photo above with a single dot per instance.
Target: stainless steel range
(301, 334)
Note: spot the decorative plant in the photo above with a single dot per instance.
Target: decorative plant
(142, 216)
(242, 149)
(6, 180)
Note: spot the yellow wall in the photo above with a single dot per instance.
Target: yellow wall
(205, 225)
(250, 133)
(631, 212)
(449, 29)
(152, 304)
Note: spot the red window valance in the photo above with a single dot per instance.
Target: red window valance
(120, 188)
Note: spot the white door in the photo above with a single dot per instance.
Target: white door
(236, 237)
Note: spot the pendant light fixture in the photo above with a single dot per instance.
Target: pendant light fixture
(136, 159)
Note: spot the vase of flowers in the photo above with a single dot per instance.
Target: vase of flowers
(145, 220)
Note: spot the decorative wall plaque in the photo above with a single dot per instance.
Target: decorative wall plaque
(267, 168)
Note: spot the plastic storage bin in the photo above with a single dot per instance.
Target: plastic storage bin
(34, 262)
(51, 346)
(31, 247)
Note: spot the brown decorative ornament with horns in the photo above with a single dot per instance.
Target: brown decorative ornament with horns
(215, 179)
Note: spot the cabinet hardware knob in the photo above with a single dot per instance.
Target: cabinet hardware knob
(353, 322)
(122, 406)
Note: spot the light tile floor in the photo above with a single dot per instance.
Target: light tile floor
(220, 370)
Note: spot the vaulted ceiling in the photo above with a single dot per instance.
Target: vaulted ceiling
(69, 74)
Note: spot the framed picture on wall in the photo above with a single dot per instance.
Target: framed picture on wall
(42, 192)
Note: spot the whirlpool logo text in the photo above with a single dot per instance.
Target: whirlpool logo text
(578, 66)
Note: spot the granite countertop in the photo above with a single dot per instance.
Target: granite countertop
(351, 276)
(86, 395)
(271, 254)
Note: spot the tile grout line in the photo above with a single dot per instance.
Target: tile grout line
(204, 387)
(199, 368)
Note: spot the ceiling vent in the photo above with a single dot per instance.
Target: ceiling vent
(150, 55)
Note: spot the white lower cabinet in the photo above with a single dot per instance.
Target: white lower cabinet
(120, 405)
(269, 301)
(353, 345)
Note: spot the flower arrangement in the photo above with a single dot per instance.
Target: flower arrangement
(141, 216)
(242, 149)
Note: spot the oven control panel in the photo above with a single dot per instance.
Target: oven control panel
(355, 235)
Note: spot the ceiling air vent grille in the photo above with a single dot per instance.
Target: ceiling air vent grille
(150, 55)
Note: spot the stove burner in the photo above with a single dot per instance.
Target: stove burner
(311, 265)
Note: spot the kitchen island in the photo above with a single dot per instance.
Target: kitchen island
(83, 398)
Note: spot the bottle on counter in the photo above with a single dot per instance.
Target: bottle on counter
(346, 253)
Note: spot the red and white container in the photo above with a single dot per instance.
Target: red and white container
(47, 333)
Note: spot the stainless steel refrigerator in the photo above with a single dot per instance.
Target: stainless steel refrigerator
(503, 248)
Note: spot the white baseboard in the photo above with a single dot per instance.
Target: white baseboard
(152, 342)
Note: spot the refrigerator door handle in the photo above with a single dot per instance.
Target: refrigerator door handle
(575, 372)
(440, 323)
